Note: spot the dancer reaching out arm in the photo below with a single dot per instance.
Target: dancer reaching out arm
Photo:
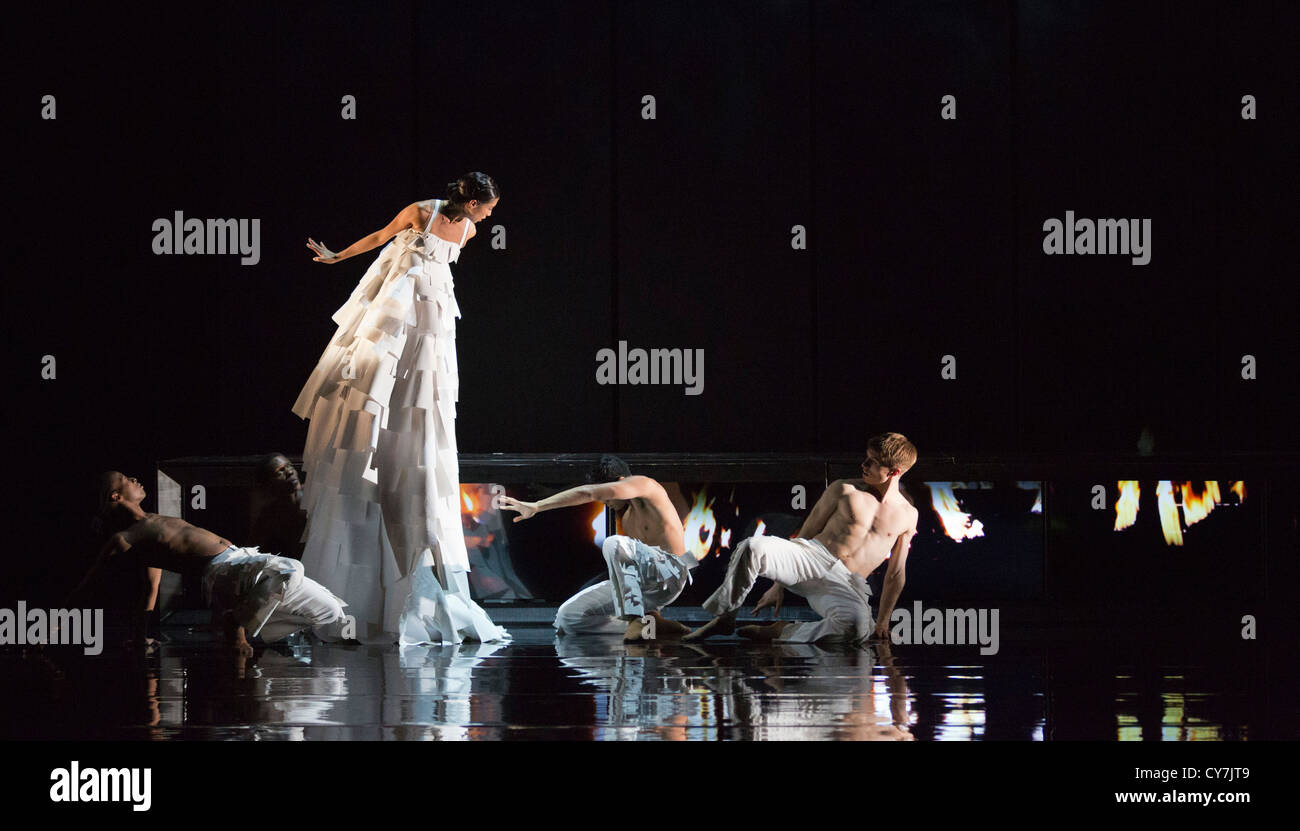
(631, 487)
(648, 563)
(395, 345)
(412, 216)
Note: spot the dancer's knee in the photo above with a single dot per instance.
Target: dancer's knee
(843, 619)
(566, 620)
(864, 626)
(569, 617)
(742, 553)
(332, 612)
(293, 581)
(575, 623)
(755, 548)
(316, 603)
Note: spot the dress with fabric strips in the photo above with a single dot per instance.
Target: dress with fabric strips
(382, 487)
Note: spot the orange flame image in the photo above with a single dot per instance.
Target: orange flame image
(760, 529)
(957, 524)
(724, 539)
(1197, 500)
(1168, 513)
(699, 525)
(1126, 507)
(1197, 506)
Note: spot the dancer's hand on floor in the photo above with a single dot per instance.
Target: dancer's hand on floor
(325, 255)
(773, 597)
(525, 509)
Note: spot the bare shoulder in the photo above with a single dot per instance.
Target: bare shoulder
(859, 501)
(855, 488)
(645, 486)
(843, 487)
(907, 515)
(412, 214)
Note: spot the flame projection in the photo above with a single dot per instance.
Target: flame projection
(478, 501)
(1126, 507)
(957, 524)
(477, 518)
(711, 524)
(492, 574)
(1037, 488)
(597, 523)
(1197, 506)
(699, 525)
(1197, 501)
(1168, 512)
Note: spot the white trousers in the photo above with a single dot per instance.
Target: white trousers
(271, 596)
(806, 568)
(642, 579)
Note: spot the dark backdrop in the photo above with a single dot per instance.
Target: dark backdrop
(924, 235)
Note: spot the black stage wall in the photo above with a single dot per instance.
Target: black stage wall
(924, 234)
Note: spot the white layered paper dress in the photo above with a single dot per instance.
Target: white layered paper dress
(382, 488)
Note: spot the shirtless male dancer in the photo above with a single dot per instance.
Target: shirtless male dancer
(254, 593)
(848, 533)
(648, 564)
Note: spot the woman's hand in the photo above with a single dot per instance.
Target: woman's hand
(325, 255)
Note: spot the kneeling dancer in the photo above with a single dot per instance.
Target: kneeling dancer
(253, 593)
(648, 564)
(848, 533)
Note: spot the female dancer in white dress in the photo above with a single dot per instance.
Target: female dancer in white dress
(382, 488)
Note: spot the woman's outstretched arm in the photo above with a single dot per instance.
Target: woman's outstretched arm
(410, 215)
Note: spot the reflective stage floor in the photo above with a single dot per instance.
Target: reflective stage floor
(539, 686)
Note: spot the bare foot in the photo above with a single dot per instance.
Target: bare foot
(720, 625)
(770, 632)
(634, 628)
(668, 629)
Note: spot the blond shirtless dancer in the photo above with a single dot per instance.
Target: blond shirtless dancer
(648, 564)
(257, 593)
(849, 532)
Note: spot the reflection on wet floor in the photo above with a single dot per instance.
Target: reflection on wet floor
(599, 688)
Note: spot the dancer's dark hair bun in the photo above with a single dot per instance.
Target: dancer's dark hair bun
(475, 185)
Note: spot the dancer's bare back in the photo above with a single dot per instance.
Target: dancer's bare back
(414, 217)
(650, 516)
(859, 528)
(442, 227)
